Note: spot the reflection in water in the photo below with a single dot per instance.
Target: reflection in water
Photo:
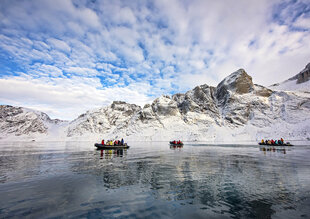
(176, 147)
(273, 149)
(154, 181)
(109, 154)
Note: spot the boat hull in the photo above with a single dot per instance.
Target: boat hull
(102, 147)
(285, 144)
(172, 144)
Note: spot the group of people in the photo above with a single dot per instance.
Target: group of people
(111, 142)
(273, 142)
(177, 142)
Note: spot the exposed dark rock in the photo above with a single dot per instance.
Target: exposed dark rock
(262, 91)
(239, 82)
(302, 76)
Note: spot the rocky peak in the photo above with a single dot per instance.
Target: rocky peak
(179, 98)
(203, 93)
(126, 108)
(200, 99)
(120, 105)
(239, 82)
(9, 111)
(304, 75)
(164, 105)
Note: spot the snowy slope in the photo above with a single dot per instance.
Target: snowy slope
(291, 85)
(300, 82)
(109, 120)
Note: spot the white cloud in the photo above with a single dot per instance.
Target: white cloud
(59, 44)
(43, 70)
(88, 17)
(303, 22)
(125, 16)
(88, 72)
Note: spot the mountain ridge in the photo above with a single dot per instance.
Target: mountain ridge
(236, 109)
(299, 82)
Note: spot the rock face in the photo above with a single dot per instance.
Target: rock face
(200, 99)
(239, 82)
(21, 121)
(104, 120)
(236, 108)
(304, 75)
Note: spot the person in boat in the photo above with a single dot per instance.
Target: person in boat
(282, 140)
(276, 142)
(122, 141)
(102, 142)
(262, 141)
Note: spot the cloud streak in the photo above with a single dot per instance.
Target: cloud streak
(85, 54)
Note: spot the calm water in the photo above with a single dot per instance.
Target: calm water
(153, 180)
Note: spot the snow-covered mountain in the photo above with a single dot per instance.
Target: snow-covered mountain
(236, 110)
(300, 82)
(26, 123)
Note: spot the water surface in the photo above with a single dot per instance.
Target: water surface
(153, 180)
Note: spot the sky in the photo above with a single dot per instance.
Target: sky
(64, 57)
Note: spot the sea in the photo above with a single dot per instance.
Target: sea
(153, 180)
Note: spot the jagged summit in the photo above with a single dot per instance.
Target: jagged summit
(238, 81)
